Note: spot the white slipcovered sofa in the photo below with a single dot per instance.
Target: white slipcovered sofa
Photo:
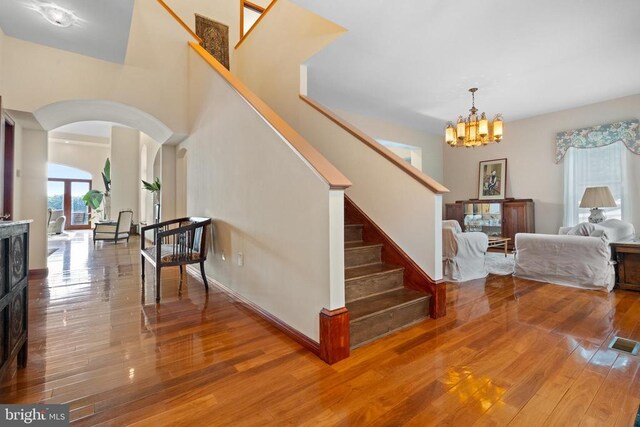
(578, 256)
(463, 254)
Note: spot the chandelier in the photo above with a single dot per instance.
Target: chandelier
(474, 132)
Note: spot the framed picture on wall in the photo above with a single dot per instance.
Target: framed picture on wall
(492, 182)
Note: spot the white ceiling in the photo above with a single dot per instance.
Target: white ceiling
(103, 30)
(413, 60)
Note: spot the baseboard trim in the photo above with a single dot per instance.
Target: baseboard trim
(38, 273)
(289, 331)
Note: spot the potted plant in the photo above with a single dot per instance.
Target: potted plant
(154, 188)
(94, 198)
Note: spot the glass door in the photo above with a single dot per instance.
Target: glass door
(55, 202)
(79, 211)
(65, 198)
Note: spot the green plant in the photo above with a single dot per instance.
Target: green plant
(106, 176)
(93, 198)
(153, 187)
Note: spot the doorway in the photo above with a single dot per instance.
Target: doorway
(65, 188)
(9, 132)
(65, 197)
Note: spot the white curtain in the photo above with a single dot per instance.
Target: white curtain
(595, 167)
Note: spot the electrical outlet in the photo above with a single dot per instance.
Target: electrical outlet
(240, 259)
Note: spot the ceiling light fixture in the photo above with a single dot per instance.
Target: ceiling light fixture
(57, 15)
(474, 132)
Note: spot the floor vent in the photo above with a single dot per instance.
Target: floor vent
(625, 345)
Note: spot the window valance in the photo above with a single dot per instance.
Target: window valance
(599, 136)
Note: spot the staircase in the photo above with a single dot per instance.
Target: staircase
(376, 298)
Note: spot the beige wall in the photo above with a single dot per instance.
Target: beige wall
(89, 157)
(529, 146)
(34, 196)
(263, 3)
(224, 11)
(269, 63)
(266, 203)
(1, 60)
(431, 145)
(17, 172)
(125, 174)
(152, 79)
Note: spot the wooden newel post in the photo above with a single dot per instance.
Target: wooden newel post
(334, 335)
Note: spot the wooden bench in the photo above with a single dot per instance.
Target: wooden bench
(177, 242)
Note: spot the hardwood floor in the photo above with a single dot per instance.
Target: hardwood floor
(508, 351)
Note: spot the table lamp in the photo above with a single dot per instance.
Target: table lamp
(595, 198)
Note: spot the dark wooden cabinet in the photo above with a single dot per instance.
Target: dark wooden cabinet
(499, 218)
(455, 211)
(14, 272)
(627, 256)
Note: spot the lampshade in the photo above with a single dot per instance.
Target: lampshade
(597, 197)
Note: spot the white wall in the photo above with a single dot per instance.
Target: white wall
(266, 203)
(269, 63)
(34, 198)
(168, 183)
(89, 157)
(146, 198)
(182, 164)
(529, 146)
(431, 145)
(125, 174)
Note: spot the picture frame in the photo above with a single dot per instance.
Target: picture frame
(492, 179)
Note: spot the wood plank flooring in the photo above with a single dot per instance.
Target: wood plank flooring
(509, 351)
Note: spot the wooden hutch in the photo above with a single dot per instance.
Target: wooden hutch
(502, 218)
(14, 271)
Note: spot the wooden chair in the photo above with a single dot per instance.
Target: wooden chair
(114, 231)
(177, 242)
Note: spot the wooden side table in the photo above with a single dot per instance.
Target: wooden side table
(496, 242)
(627, 256)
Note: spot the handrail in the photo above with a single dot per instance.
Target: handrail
(255, 24)
(312, 157)
(180, 21)
(416, 174)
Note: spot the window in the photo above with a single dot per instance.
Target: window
(249, 14)
(592, 167)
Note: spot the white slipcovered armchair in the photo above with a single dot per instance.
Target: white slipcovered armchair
(578, 256)
(55, 224)
(463, 254)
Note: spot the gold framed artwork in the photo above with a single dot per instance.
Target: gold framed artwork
(492, 181)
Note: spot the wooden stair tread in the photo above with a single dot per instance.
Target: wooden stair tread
(354, 225)
(363, 308)
(354, 273)
(359, 245)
